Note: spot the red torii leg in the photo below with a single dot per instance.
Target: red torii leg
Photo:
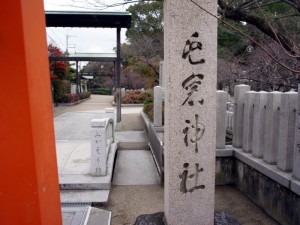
(29, 191)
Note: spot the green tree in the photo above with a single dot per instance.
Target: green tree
(145, 39)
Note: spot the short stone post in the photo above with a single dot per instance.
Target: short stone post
(272, 127)
(260, 101)
(248, 121)
(123, 92)
(157, 109)
(98, 147)
(161, 73)
(296, 164)
(287, 125)
(239, 94)
(190, 59)
(221, 119)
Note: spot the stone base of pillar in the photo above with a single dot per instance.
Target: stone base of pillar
(119, 126)
(221, 218)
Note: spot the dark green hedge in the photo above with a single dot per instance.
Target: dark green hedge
(101, 91)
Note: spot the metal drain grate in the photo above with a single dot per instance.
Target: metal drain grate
(76, 204)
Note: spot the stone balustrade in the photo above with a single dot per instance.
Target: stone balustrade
(102, 136)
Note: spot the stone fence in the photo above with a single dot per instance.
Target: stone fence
(263, 124)
(102, 136)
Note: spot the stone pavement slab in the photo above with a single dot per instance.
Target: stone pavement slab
(74, 215)
(135, 167)
(85, 216)
(75, 125)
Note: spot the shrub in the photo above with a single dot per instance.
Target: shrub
(84, 95)
(137, 97)
(148, 105)
(69, 98)
(148, 110)
(60, 88)
(101, 91)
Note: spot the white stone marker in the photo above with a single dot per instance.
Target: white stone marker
(287, 125)
(272, 127)
(238, 121)
(221, 119)
(296, 164)
(98, 147)
(248, 121)
(259, 121)
(190, 67)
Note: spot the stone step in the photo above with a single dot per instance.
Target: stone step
(135, 167)
(84, 181)
(85, 215)
(132, 140)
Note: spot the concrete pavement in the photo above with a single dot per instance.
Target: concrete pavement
(126, 202)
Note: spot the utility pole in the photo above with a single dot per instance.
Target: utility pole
(67, 43)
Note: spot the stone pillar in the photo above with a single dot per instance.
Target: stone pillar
(239, 94)
(259, 121)
(110, 113)
(296, 163)
(272, 127)
(29, 191)
(190, 67)
(248, 121)
(221, 119)
(98, 147)
(123, 92)
(287, 125)
(157, 109)
(161, 74)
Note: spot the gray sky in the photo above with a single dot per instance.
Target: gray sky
(86, 40)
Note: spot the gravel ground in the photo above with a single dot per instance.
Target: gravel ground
(128, 202)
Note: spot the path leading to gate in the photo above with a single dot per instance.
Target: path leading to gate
(130, 195)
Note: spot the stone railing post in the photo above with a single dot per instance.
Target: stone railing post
(272, 127)
(287, 125)
(248, 121)
(296, 164)
(221, 119)
(239, 94)
(161, 73)
(260, 101)
(98, 147)
(157, 109)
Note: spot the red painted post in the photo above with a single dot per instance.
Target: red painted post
(29, 192)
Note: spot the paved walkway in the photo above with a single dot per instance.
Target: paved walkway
(129, 201)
